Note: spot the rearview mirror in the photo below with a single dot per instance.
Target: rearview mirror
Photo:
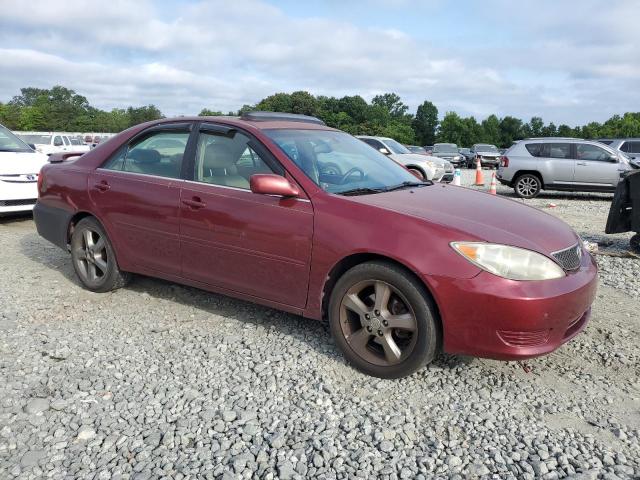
(384, 151)
(270, 184)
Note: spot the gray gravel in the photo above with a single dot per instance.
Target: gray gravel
(163, 381)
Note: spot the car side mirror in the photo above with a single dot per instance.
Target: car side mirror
(384, 151)
(613, 158)
(271, 184)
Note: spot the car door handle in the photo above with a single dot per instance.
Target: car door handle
(103, 186)
(195, 203)
(584, 164)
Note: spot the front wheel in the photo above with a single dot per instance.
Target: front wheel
(94, 259)
(417, 173)
(527, 186)
(635, 243)
(383, 320)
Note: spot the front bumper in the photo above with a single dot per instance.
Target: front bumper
(17, 195)
(510, 320)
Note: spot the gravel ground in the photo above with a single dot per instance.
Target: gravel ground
(163, 381)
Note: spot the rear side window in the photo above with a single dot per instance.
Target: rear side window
(631, 147)
(535, 149)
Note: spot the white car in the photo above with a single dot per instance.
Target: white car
(19, 169)
(423, 166)
(49, 143)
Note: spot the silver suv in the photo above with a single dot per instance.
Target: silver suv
(561, 164)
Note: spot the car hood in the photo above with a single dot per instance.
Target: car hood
(16, 163)
(477, 216)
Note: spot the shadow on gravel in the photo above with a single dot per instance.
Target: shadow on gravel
(313, 333)
(604, 197)
(9, 218)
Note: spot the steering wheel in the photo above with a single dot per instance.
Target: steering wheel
(350, 172)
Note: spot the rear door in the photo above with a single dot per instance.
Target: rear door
(137, 196)
(559, 164)
(595, 167)
(258, 245)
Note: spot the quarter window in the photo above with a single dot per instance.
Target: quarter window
(227, 160)
(534, 149)
(585, 151)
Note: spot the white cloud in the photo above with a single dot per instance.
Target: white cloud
(564, 63)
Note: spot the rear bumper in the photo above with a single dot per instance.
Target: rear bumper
(52, 223)
(510, 320)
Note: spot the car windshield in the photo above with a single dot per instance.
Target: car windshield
(486, 148)
(396, 147)
(340, 163)
(11, 143)
(464, 150)
(37, 139)
(445, 148)
(415, 149)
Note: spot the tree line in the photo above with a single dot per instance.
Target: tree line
(62, 109)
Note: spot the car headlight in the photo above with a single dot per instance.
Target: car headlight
(431, 164)
(456, 157)
(509, 262)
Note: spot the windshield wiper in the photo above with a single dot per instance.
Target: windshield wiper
(361, 191)
(402, 185)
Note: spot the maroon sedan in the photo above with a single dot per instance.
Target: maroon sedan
(284, 211)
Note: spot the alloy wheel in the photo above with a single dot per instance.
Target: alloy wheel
(91, 256)
(378, 322)
(527, 186)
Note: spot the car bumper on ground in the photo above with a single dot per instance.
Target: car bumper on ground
(510, 320)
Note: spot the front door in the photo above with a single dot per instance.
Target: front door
(254, 244)
(595, 167)
(137, 196)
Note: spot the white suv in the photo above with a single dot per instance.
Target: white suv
(49, 143)
(423, 166)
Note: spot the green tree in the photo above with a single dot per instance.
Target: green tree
(511, 129)
(392, 103)
(205, 112)
(491, 130)
(452, 129)
(425, 123)
(143, 114)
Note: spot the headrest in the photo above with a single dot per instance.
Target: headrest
(218, 155)
(144, 155)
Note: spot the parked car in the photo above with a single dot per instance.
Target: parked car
(630, 147)
(19, 168)
(489, 155)
(426, 167)
(245, 210)
(448, 152)
(466, 154)
(52, 143)
(568, 164)
(429, 149)
(417, 149)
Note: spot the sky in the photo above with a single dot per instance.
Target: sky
(568, 61)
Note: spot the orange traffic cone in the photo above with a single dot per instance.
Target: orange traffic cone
(494, 185)
(479, 175)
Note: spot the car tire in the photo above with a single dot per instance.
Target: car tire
(527, 185)
(635, 243)
(94, 259)
(388, 338)
(417, 173)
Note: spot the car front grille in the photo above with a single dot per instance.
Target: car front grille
(524, 339)
(569, 258)
(17, 203)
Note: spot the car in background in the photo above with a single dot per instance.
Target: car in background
(400, 268)
(49, 143)
(417, 149)
(19, 169)
(630, 147)
(428, 149)
(448, 152)
(466, 153)
(567, 164)
(488, 155)
(423, 166)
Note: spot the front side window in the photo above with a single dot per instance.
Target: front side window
(338, 162)
(57, 141)
(585, 151)
(227, 160)
(634, 147)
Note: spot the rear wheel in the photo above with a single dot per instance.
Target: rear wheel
(93, 257)
(527, 185)
(383, 320)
